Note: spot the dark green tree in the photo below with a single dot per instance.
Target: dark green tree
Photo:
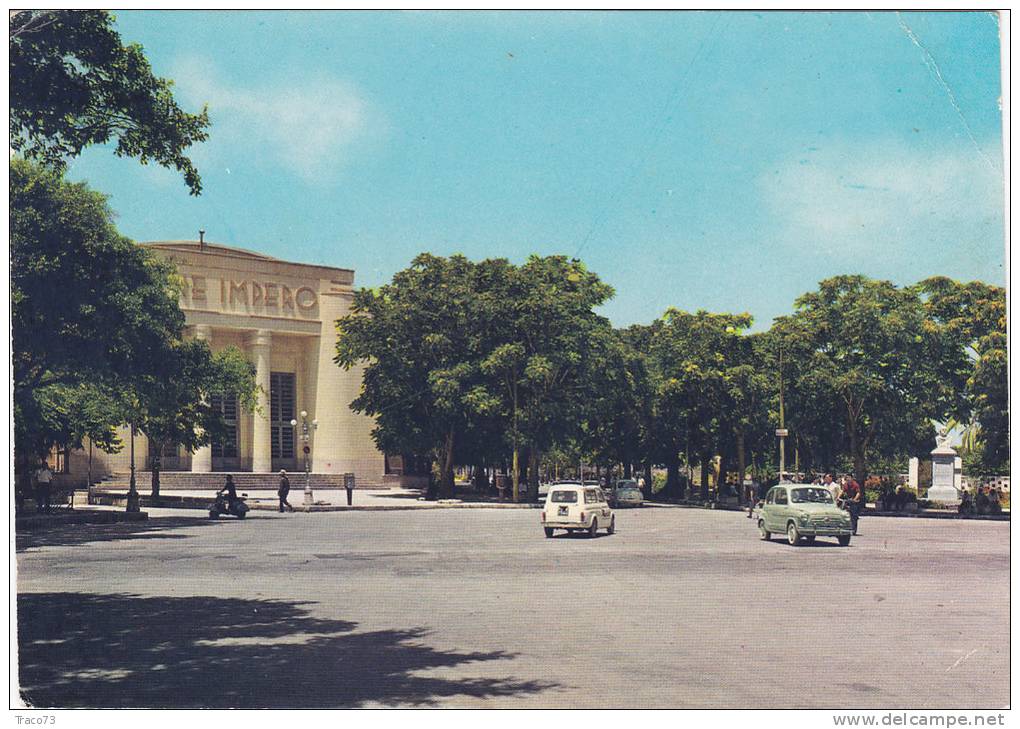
(975, 313)
(891, 367)
(701, 362)
(73, 83)
(421, 339)
(549, 342)
(90, 311)
(173, 405)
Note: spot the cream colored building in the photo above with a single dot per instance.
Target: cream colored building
(281, 315)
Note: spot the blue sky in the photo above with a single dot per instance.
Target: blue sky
(725, 161)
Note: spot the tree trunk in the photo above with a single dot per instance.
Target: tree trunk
(856, 451)
(648, 479)
(741, 465)
(673, 490)
(446, 468)
(157, 456)
(516, 475)
(517, 456)
(533, 460)
(628, 471)
(706, 461)
(721, 489)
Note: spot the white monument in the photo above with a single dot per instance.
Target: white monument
(912, 478)
(943, 473)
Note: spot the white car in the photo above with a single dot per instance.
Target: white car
(627, 493)
(577, 508)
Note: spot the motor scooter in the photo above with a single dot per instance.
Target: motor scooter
(220, 506)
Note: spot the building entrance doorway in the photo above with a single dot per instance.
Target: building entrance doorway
(282, 400)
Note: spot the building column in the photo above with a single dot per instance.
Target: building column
(201, 460)
(259, 349)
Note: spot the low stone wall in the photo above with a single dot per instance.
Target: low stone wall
(187, 481)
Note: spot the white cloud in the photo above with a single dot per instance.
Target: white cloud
(883, 199)
(308, 124)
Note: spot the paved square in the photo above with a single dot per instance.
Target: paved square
(476, 608)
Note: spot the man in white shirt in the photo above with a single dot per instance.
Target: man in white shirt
(831, 485)
(43, 479)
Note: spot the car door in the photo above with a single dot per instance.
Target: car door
(768, 510)
(781, 510)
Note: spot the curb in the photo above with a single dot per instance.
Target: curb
(936, 515)
(427, 506)
(27, 523)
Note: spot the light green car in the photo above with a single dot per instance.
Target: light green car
(802, 511)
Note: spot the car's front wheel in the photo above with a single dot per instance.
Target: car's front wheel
(765, 534)
(844, 541)
(612, 525)
(548, 531)
(792, 534)
(594, 528)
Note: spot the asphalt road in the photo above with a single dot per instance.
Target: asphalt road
(475, 608)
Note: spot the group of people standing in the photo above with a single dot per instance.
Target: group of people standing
(988, 500)
(39, 482)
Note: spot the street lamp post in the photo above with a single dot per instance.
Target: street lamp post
(306, 437)
(132, 497)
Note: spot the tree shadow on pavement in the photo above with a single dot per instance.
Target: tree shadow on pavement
(115, 650)
(74, 534)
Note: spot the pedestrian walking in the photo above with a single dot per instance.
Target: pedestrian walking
(852, 497)
(43, 481)
(283, 491)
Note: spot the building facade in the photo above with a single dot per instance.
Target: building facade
(282, 316)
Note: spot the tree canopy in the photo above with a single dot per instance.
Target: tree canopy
(73, 83)
(452, 346)
(975, 313)
(89, 308)
(173, 405)
(477, 363)
(893, 369)
(97, 329)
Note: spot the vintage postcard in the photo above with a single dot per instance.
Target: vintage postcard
(510, 359)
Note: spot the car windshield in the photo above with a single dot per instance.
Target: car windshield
(564, 497)
(811, 495)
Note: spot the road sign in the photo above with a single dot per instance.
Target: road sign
(782, 432)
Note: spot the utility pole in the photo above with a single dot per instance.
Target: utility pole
(781, 432)
(516, 475)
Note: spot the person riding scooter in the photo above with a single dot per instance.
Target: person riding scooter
(227, 502)
(231, 492)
